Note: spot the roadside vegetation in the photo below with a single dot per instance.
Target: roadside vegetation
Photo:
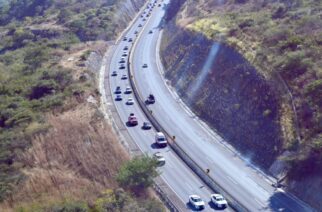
(57, 153)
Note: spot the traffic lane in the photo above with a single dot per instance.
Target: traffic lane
(120, 104)
(264, 185)
(145, 48)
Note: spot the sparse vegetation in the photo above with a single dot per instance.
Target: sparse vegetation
(37, 83)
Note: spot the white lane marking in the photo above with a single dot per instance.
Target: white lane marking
(232, 180)
(260, 203)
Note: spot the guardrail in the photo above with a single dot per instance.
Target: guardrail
(176, 148)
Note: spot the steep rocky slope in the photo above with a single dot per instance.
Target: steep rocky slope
(251, 70)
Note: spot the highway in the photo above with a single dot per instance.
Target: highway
(175, 173)
(234, 173)
(210, 151)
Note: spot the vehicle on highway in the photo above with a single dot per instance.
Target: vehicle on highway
(159, 5)
(160, 139)
(145, 65)
(132, 120)
(150, 32)
(114, 73)
(146, 125)
(196, 202)
(136, 32)
(159, 158)
(218, 200)
(125, 38)
(124, 77)
(130, 101)
(125, 48)
(150, 99)
(143, 19)
(130, 39)
(124, 54)
(122, 60)
(140, 25)
(122, 66)
(118, 90)
(128, 90)
(118, 97)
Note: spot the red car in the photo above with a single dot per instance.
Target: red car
(132, 120)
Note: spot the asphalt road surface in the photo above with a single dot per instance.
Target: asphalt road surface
(175, 173)
(236, 175)
(232, 172)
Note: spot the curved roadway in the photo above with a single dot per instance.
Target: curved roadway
(175, 173)
(235, 174)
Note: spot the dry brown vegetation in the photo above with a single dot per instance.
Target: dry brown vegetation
(77, 158)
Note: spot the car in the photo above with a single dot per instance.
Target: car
(130, 101)
(196, 202)
(159, 158)
(128, 90)
(143, 19)
(124, 54)
(114, 73)
(122, 60)
(130, 39)
(122, 66)
(118, 97)
(218, 200)
(136, 32)
(125, 38)
(145, 65)
(140, 25)
(150, 32)
(124, 77)
(142, 16)
(132, 120)
(146, 125)
(150, 99)
(160, 139)
(159, 5)
(126, 48)
(118, 90)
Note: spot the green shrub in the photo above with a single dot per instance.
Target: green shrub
(138, 173)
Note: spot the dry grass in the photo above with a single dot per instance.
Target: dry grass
(77, 158)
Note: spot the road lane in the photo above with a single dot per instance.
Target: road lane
(175, 173)
(236, 175)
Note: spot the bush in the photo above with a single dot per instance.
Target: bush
(138, 173)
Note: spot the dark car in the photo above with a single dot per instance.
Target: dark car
(118, 90)
(114, 73)
(150, 99)
(118, 97)
(146, 126)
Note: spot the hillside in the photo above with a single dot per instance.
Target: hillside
(252, 71)
(57, 152)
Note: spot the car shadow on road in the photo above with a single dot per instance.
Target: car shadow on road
(190, 207)
(213, 206)
(130, 125)
(154, 146)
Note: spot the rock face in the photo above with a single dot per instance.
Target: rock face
(225, 91)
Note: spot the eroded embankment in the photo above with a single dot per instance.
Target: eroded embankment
(223, 89)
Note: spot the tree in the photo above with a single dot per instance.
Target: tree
(138, 173)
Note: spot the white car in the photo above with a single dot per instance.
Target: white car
(130, 101)
(128, 90)
(159, 158)
(218, 200)
(196, 202)
(160, 139)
